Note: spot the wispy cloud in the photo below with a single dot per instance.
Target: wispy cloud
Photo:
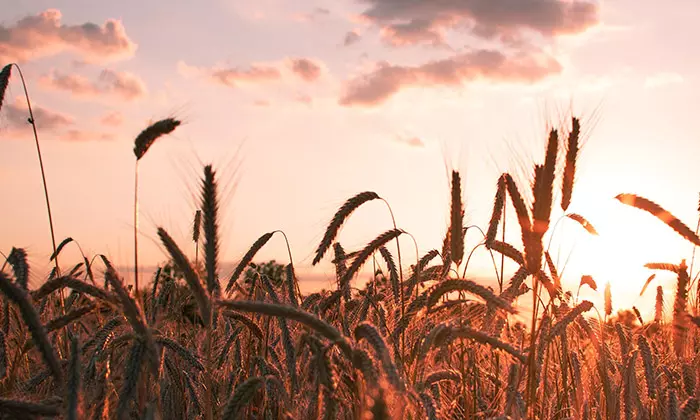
(663, 79)
(123, 85)
(386, 80)
(411, 141)
(43, 35)
(75, 135)
(112, 119)
(255, 73)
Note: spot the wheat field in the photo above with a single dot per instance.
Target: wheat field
(416, 340)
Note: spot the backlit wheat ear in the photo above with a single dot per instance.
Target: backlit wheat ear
(583, 222)
(461, 285)
(662, 214)
(456, 219)
(4, 81)
(680, 320)
(18, 260)
(648, 366)
(247, 258)
(3, 356)
(132, 374)
(497, 211)
(150, 134)
(322, 327)
(367, 251)
(519, 204)
(210, 225)
(572, 148)
(659, 304)
(197, 226)
(393, 272)
(543, 184)
(241, 397)
(570, 317)
(134, 314)
(608, 300)
(480, 337)
(200, 294)
(60, 247)
(368, 332)
(20, 297)
(338, 219)
(508, 250)
(646, 284)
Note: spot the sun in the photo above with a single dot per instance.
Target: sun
(627, 240)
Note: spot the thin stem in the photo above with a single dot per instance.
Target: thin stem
(503, 256)
(398, 255)
(136, 228)
(41, 164)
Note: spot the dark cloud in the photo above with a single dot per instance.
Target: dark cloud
(306, 69)
(377, 86)
(124, 85)
(351, 37)
(43, 34)
(419, 21)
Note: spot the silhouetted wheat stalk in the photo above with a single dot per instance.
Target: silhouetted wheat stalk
(144, 140)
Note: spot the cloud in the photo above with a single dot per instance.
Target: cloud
(351, 38)
(74, 135)
(261, 103)
(17, 117)
(386, 80)
(233, 76)
(43, 35)
(123, 85)
(314, 15)
(303, 99)
(112, 119)
(420, 21)
(663, 79)
(410, 141)
(306, 69)
(255, 73)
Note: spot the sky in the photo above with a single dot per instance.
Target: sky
(300, 105)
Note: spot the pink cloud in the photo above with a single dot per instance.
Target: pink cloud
(307, 69)
(17, 117)
(74, 135)
(255, 74)
(377, 86)
(352, 37)
(43, 35)
(423, 21)
(124, 85)
(112, 119)
(410, 141)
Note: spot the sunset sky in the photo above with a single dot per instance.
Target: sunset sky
(300, 105)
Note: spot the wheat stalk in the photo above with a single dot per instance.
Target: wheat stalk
(20, 297)
(338, 219)
(662, 214)
(572, 148)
